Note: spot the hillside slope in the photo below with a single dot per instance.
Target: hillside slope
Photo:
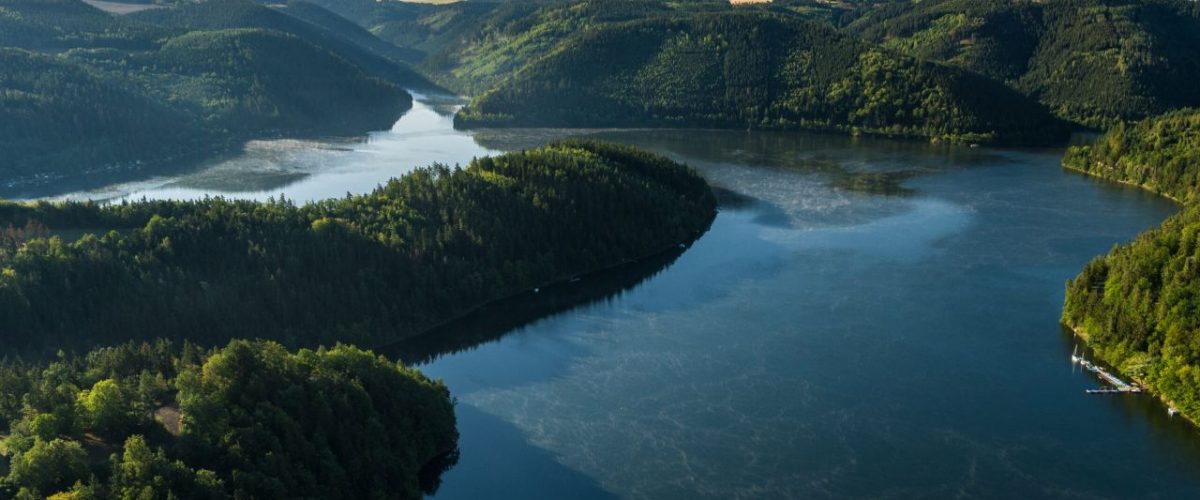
(247, 80)
(1139, 306)
(114, 94)
(1094, 62)
(753, 70)
(54, 113)
(356, 46)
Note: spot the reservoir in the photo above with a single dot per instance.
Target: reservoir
(865, 318)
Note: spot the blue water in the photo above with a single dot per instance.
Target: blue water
(865, 318)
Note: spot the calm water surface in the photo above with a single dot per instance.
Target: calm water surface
(865, 318)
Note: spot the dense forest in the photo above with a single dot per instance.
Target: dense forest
(367, 269)
(1139, 306)
(975, 71)
(471, 46)
(753, 70)
(55, 113)
(1160, 154)
(83, 91)
(248, 420)
(305, 21)
(1094, 62)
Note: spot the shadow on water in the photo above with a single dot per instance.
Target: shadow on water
(497, 461)
(493, 321)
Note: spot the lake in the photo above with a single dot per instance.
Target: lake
(865, 318)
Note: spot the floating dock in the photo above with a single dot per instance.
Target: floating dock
(1118, 385)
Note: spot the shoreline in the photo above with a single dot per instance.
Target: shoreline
(1083, 335)
(227, 145)
(1142, 187)
(557, 281)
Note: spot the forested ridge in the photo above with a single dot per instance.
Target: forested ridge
(367, 269)
(1161, 154)
(56, 113)
(755, 70)
(1139, 306)
(1094, 62)
(318, 27)
(248, 420)
(83, 91)
(934, 69)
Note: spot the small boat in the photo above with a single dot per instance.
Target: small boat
(1075, 354)
(1171, 411)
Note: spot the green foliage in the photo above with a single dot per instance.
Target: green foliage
(334, 34)
(1139, 306)
(470, 46)
(115, 94)
(248, 80)
(1161, 154)
(105, 408)
(53, 25)
(54, 113)
(418, 251)
(755, 70)
(48, 466)
(147, 474)
(1094, 62)
(257, 421)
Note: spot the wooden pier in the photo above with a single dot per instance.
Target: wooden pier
(1118, 386)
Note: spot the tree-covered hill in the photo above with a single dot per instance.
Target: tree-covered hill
(754, 70)
(356, 46)
(1139, 306)
(1161, 154)
(113, 93)
(249, 420)
(469, 46)
(369, 269)
(420, 29)
(52, 25)
(1094, 62)
(55, 113)
(347, 30)
(514, 35)
(249, 81)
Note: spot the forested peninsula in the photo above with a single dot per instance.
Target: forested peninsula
(164, 415)
(366, 269)
(1139, 306)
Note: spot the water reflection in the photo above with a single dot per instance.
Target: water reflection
(494, 320)
(313, 169)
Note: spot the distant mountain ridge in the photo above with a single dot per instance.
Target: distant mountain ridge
(117, 93)
(755, 70)
(1094, 62)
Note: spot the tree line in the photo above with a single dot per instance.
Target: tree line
(1139, 306)
(161, 420)
(367, 269)
(755, 70)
